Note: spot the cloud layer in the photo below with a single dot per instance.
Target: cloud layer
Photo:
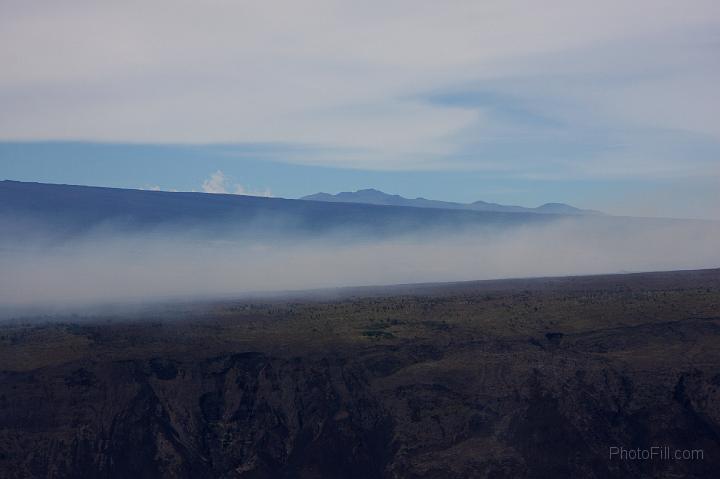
(562, 89)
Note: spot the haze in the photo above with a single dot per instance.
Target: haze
(116, 266)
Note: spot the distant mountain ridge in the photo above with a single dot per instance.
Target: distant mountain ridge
(372, 196)
(67, 210)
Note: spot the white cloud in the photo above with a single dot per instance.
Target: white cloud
(218, 182)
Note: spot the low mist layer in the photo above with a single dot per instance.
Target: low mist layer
(117, 266)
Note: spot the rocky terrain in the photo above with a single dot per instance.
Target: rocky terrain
(498, 379)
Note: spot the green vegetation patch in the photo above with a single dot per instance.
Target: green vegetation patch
(373, 333)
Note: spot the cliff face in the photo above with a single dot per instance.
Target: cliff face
(250, 415)
(457, 396)
(242, 415)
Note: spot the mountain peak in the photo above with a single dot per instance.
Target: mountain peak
(376, 197)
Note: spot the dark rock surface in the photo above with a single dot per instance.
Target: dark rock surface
(475, 380)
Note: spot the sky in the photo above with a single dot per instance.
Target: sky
(606, 105)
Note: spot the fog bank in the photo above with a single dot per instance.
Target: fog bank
(112, 266)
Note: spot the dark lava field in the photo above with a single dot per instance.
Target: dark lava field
(535, 378)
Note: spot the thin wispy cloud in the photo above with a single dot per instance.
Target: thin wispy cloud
(356, 81)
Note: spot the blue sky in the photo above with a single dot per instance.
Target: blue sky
(602, 105)
(186, 168)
